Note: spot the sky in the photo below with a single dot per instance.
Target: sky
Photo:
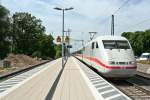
(87, 15)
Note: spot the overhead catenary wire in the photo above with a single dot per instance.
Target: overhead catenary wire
(121, 6)
(115, 13)
(136, 24)
(112, 24)
(117, 10)
(108, 17)
(128, 27)
(139, 23)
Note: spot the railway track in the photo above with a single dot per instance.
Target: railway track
(137, 87)
(142, 74)
(134, 91)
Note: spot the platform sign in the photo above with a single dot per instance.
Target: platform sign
(69, 46)
(67, 39)
(58, 39)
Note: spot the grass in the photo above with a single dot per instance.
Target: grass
(3, 70)
(144, 62)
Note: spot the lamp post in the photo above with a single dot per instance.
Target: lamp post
(112, 26)
(63, 10)
(68, 35)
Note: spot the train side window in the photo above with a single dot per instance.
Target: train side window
(92, 45)
(96, 45)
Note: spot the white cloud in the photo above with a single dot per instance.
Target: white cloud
(88, 15)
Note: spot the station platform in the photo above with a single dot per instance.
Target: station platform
(52, 82)
(72, 85)
(32, 85)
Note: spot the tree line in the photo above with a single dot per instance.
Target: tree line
(140, 41)
(23, 33)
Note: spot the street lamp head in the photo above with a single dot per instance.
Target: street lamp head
(58, 8)
(69, 8)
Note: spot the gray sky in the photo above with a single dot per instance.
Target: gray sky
(88, 15)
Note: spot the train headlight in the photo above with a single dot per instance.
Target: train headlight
(117, 63)
(111, 62)
(132, 62)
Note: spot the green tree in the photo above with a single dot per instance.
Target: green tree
(46, 46)
(30, 38)
(146, 41)
(4, 32)
(137, 42)
(27, 29)
(128, 35)
(58, 49)
(140, 41)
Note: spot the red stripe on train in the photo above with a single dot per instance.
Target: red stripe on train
(106, 66)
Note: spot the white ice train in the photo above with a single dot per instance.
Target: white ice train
(112, 56)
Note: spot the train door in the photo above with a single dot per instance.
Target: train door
(95, 52)
(92, 53)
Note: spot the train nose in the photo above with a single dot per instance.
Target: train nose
(121, 73)
(122, 63)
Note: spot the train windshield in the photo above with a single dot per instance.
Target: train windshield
(145, 56)
(116, 44)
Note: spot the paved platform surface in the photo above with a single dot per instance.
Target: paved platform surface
(35, 87)
(71, 85)
(75, 82)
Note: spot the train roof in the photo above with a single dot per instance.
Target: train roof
(110, 38)
(107, 37)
